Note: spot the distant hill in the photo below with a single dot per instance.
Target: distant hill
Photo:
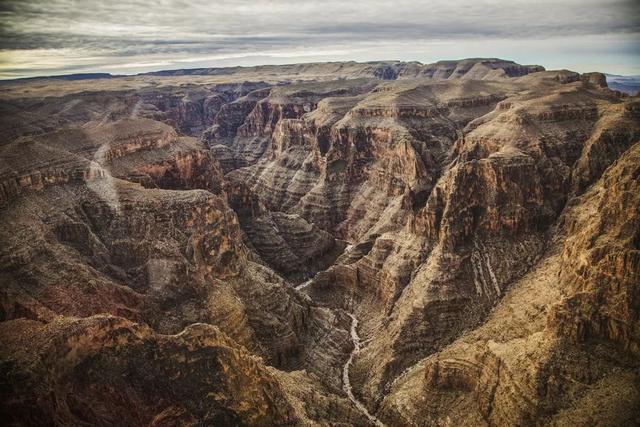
(470, 68)
(77, 76)
(626, 84)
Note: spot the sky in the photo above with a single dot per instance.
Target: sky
(49, 37)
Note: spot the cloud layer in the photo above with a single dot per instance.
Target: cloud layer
(60, 36)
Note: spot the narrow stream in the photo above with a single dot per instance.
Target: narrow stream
(303, 285)
(357, 344)
(346, 382)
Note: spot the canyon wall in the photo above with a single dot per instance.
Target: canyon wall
(208, 239)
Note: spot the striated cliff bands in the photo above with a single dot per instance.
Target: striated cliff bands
(321, 244)
(557, 357)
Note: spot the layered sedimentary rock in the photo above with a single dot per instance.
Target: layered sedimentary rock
(489, 216)
(140, 150)
(448, 198)
(291, 245)
(155, 241)
(472, 68)
(80, 239)
(190, 110)
(564, 358)
(475, 221)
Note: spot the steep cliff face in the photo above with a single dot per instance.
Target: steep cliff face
(446, 190)
(489, 216)
(569, 355)
(322, 159)
(344, 244)
(93, 242)
(168, 258)
(190, 110)
(140, 150)
(470, 69)
(600, 259)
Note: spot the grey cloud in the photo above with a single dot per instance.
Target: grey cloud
(174, 29)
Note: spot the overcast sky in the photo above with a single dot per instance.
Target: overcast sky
(44, 37)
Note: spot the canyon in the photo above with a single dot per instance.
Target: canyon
(334, 244)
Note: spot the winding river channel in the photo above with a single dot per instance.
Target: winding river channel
(357, 345)
(346, 382)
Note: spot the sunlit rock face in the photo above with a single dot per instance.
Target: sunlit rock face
(324, 244)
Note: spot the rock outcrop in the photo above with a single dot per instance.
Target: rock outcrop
(561, 361)
(105, 370)
(472, 68)
(402, 172)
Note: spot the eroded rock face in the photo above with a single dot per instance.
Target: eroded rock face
(447, 199)
(104, 370)
(189, 109)
(96, 242)
(478, 218)
(561, 361)
(600, 259)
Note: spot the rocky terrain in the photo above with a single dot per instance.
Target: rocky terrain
(385, 243)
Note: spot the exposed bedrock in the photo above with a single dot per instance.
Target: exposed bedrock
(190, 110)
(340, 164)
(445, 241)
(231, 116)
(138, 150)
(291, 245)
(471, 68)
(286, 242)
(170, 259)
(474, 221)
(561, 361)
(105, 370)
(601, 259)
(96, 244)
(488, 218)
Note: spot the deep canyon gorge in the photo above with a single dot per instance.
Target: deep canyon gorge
(335, 244)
